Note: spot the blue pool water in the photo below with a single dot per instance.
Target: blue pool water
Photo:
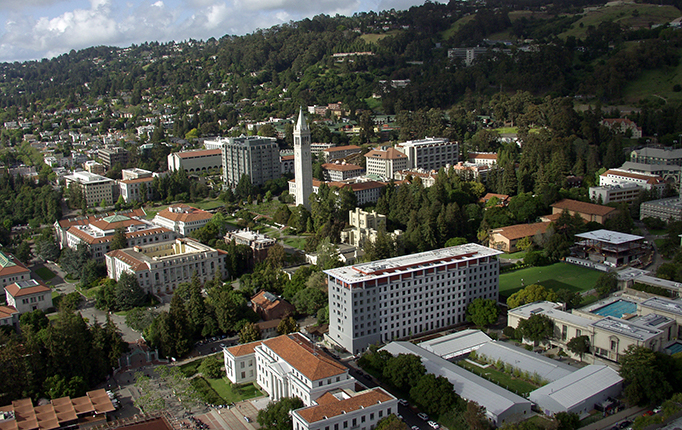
(617, 309)
(674, 348)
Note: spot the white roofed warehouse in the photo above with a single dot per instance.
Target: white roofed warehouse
(579, 391)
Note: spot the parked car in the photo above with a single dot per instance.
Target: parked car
(247, 419)
(415, 428)
(625, 424)
(423, 416)
(403, 402)
(434, 425)
(400, 417)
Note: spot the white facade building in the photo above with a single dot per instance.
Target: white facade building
(95, 188)
(385, 162)
(182, 219)
(338, 171)
(201, 160)
(161, 267)
(303, 165)
(346, 410)
(429, 153)
(255, 156)
(28, 296)
(286, 366)
(388, 299)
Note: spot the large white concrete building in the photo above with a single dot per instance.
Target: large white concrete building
(429, 153)
(11, 270)
(95, 188)
(255, 156)
(389, 299)
(28, 296)
(161, 267)
(303, 165)
(385, 162)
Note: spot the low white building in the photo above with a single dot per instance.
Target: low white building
(501, 406)
(344, 409)
(160, 267)
(9, 316)
(201, 160)
(182, 219)
(456, 344)
(579, 391)
(341, 171)
(12, 270)
(286, 366)
(132, 189)
(28, 296)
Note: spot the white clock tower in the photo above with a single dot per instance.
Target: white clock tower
(303, 165)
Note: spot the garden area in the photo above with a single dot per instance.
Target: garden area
(554, 276)
(212, 386)
(515, 384)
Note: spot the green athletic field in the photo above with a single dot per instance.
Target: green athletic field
(555, 276)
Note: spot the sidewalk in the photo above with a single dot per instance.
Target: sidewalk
(612, 420)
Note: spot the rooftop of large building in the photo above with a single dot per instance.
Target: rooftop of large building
(583, 207)
(609, 236)
(664, 305)
(87, 178)
(518, 231)
(341, 167)
(68, 222)
(627, 328)
(198, 153)
(384, 153)
(26, 288)
(343, 148)
(406, 263)
(335, 403)
(659, 153)
(313, 363)
(184, 213)
(579, 385)
(143, 256)
(426, 142)
(10, 265)
(552, 310)
(650, 179)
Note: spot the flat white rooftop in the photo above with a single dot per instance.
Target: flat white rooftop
(552, 310)
(661, 304)
(626, 328)
(407, 263)
(578, 386)
(608, 236)
(456, 344)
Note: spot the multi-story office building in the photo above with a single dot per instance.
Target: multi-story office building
(95, 188)
(657, 156)
(337, 172)
(340, 152)
(409, 295)
(28, 296)
(111, 156)
(429, 153)
(182, 219)
(255, 156)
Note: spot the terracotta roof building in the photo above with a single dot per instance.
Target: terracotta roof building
(64, 412)
(269, 306)
(12, 270)
(97, 231)
(160, 267)
(588, 211)
(339, 152)
(28, 296)
(385, 162)
(201, 160)
(506, 238)
(346, 409)
(483, 158)
(182, 219)
(286, 366)
(259, 243)
(366, 191)
(341, 171)
(9, 315)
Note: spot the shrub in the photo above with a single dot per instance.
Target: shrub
(510, 332)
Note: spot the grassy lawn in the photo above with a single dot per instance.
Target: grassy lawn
(296, 242)
(208, 204)
(507, 130)
(265, 208)
(514, 255)
(45, 273)
(456, 26)
(659, 242)
(658, 82)
(374, 38)
(233, 393)
(189, 369)
(554, 276)
(519, 386)
(91, 293)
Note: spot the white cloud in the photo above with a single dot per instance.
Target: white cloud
(114, 22)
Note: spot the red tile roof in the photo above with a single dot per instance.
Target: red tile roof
(68, 222)
(245, 349)
(296, 350)
(522, 230)
(135, 181)
(26, 288)
(331, 406)
(199, 153)
(7, 311)
(583, 207)
(648, 178)
(389, 154)
(135, 264)
(342, 148)
(341, 167)
(193, 214)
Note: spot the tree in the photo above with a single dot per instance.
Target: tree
(536, 328)
(606, 284)
(482, 312)
(249, 333)
(287, 325)
(403, 370)
(530, 294)
(327, 255)
(310, 300)
(475, 417)
(579, 345)
(46, 249)
(128, 292)
(567, 420)
(647, 381)
(212, 366)
(391, 422)
(571, 299)
(277, 415)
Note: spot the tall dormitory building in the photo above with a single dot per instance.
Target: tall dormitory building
(404, 296)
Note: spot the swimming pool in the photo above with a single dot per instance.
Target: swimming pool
(617, 309)
(674, 348)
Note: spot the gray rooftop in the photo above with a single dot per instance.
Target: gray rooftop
(672, 202)
(651, 320)
(609, 236)
(495, 399)
(578, 386)
(552, 310)
(626, 328)
(665, 305)
(641, 167)
(658, 282)
(456, 344)
(659, 153)
(408, 263)
(527, 361)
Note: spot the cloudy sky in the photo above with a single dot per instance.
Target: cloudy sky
(35, 29)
